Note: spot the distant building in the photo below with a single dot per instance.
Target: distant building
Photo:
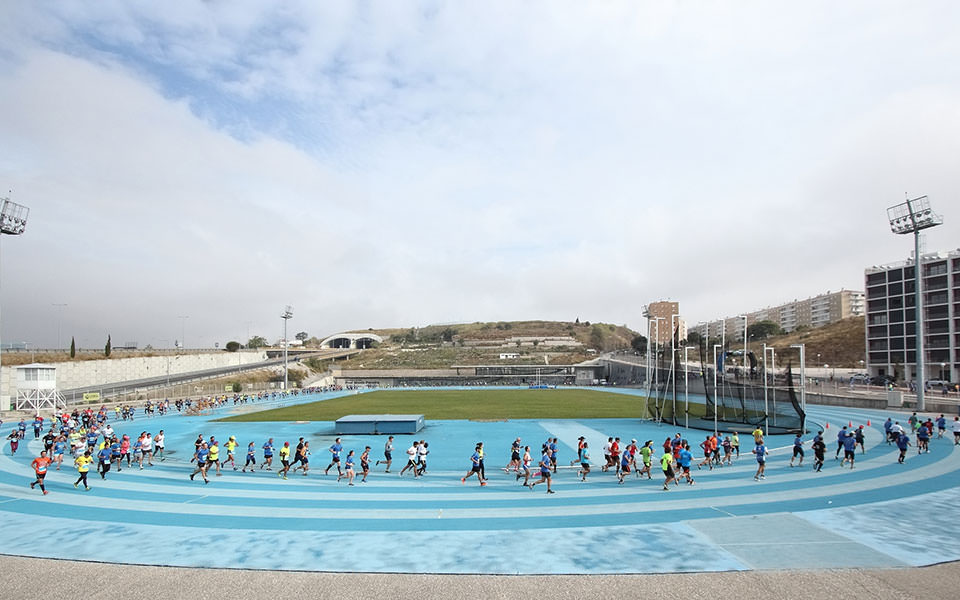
(812, 312)
(891, 318)
(668, 316)
(509, 355)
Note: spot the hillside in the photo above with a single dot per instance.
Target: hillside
(840, 344)
(536, 342)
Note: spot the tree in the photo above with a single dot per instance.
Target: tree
(237, 386)
(232, 346)
(73, 347)
(106, 349)
(256, 341)
(639, 343)
(302, 336)
(694, 337)
(763, 329)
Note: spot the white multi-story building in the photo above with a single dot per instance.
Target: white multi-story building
(891, 323)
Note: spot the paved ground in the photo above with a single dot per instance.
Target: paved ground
(880, 515)
(148, 583)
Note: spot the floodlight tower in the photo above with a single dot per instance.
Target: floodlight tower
(13, 221)
(286, 316)
(913, 216)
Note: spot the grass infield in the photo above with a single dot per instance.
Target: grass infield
(480, 404)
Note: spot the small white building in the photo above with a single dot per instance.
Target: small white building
(37, 388)
(509, 355)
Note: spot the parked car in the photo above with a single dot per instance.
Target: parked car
(939, 383)
(883, 380)
(860, 378)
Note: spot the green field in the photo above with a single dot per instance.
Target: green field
(481, 404)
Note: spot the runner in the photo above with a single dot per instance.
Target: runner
(365, 463)
(158, 444)
(104, 457)
(707, 445)
(284, 460)
(335, 449)
(483, 470)
(849, 449)
(584, 462)
(422, 453)
(903, 442)
(525, 466)
(545, 466)
(858, 438)
(59, 447)
(819, 449)
(615, 453)
(606, 454)
(387, 454)
(146, 450)
(841, 436)
(956, 431)
(761, 453)
(727, 451)
(115, 452)
(666, 463)
(411, 460)
(83, 467)
(797, 450)
(251, 458)
(625, 459)
(554, 450)
(201, 456)
(348, 469)
(40, 465)
(305, 459)
(685, 458)
(923, 439)
(474, 465)
(735, 442)
(646, 454)
(267, 455)
(941, 424)
(231, 447)
(14, 438)
(213, 456)
(514, 457)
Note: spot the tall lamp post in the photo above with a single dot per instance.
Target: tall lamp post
(913, 216)
(686, 390)
(286, 316)
(13, 221)
(716, 393)
(673, 366)
(773, 367)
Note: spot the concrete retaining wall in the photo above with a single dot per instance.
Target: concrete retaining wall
(92, 372)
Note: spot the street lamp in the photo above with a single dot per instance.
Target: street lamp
(686, 389)
(60, 308)
(286, 316)
(13, 221)
(772, 371)
(716, 393)
(183, 330)
(913, 216)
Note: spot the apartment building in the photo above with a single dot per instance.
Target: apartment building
(667, 314)
(891, 317)
(813, 312)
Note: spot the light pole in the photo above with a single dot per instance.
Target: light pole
(716, 393)
(766, 406)
(913, 216)
(183, 331)
(286, 316)
(13, 221)
(60, 308)
(803, 383)
(656, 369)
(686, 390)
(673, 367)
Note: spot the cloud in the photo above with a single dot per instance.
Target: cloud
(401, 164)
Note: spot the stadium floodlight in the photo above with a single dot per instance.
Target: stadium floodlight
(913, 216)
(13, 221)
(286, 316)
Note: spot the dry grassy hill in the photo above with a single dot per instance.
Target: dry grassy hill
(840, 344)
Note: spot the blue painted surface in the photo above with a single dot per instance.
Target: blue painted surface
(436, 524)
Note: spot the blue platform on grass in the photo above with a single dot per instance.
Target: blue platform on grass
(881, 514)
(378, 424)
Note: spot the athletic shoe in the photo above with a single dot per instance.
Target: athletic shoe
(76, 485)
(33, 484)
(191, 476)
(462, 480)
(665, 488)
(551, 492)
(45, 492)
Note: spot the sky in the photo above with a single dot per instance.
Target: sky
(191, 168)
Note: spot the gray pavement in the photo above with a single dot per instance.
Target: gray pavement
(32, 577)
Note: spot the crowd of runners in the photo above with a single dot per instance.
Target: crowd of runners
(89, 441)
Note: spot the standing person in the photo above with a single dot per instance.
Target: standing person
(284, 460)
(545, 466)
(819, 449)
(267, 455)
(104, 457)
(335, 449)
(514, 457)
(347, 469)
(474, 466)
(797, 450)
(387, 454)
(158, 444)
(83, 467)
(666, 464)
(40, 465)
(685, 458)
(841, 436)
(365, 463)
(761, 453)
(903, 442)
(251, 458)
(411, 460)
(422, 452)
(584, 461)
(201, 456)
